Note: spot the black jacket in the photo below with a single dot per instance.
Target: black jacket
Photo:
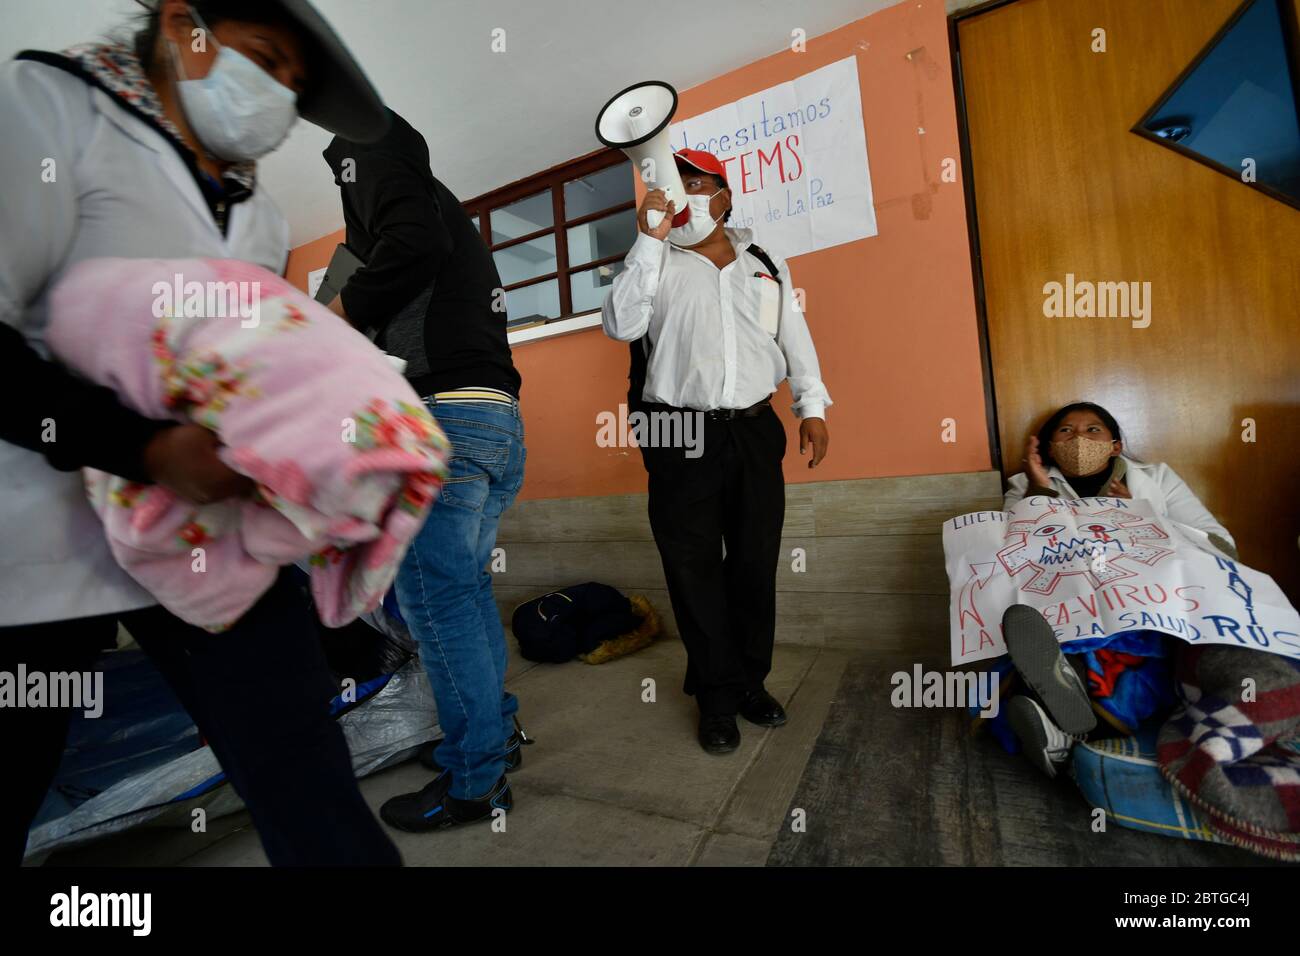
(95, 430)
(429, 282)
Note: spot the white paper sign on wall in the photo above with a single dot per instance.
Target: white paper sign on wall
(796, 160)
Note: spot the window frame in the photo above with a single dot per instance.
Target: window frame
(553, 180)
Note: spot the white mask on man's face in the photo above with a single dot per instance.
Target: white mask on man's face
(699, 226)
(238, 111)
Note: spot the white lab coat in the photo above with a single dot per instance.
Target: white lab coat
(1155, 482)
(120, 189)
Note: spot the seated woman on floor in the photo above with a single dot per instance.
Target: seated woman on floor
(1127, 678)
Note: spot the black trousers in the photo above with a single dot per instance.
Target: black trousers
(732, 496)
(259, 694)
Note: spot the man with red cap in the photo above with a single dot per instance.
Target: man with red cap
(714, 331)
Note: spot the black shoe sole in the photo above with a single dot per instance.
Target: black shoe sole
(447, 823)
(1038, 657)
(773, 722)
(397, 824)
(719, 749)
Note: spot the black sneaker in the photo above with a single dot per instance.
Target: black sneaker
(434, 808)
(514, 751)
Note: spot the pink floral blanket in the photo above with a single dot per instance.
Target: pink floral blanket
(346, 458)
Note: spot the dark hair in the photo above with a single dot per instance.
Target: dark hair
(211, 12)
(1049, 427)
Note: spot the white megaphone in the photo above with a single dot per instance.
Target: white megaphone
(636, 121)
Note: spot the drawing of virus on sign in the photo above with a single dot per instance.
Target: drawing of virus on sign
(1096, 545)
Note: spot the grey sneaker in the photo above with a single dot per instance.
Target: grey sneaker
(1038, 658)
(1044, 744)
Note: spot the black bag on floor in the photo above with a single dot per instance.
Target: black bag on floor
(591, 621)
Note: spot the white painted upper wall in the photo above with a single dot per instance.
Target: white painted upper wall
(490, 118)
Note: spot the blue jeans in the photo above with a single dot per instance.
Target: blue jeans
(444, 589)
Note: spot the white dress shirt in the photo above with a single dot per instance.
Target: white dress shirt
(720, 338)
(120, 190)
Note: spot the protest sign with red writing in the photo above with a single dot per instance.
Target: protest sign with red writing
(1096, 567)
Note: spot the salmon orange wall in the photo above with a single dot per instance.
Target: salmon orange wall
(893, 316)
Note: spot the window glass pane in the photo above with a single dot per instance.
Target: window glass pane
(1239, 101)
(522, 218)
(611, 236)
(609, 187)
(477, 227)
(533, 303)
(589, 288)
(530, 259)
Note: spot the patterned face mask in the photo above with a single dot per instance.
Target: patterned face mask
(1081, 456)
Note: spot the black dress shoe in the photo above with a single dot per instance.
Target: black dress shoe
(434, 808)
(719, 733)
(760, 707)
(514, 751)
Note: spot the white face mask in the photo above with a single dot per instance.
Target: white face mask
(699, 226)
(238, 111)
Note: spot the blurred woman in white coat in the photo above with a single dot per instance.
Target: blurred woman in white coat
(148, 149)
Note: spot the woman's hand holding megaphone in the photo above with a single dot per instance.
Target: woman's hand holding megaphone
(656, 199)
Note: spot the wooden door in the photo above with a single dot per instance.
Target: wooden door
(1062, 187)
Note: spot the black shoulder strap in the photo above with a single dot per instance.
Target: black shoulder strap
(757, 252)
(640, 348)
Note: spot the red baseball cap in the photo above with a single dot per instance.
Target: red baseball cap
(704, 162)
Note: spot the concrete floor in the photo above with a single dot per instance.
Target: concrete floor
(611, 780)
(901, 787)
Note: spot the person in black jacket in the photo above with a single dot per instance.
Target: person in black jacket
(430, 294)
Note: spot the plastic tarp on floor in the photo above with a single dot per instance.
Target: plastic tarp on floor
(142, 760)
